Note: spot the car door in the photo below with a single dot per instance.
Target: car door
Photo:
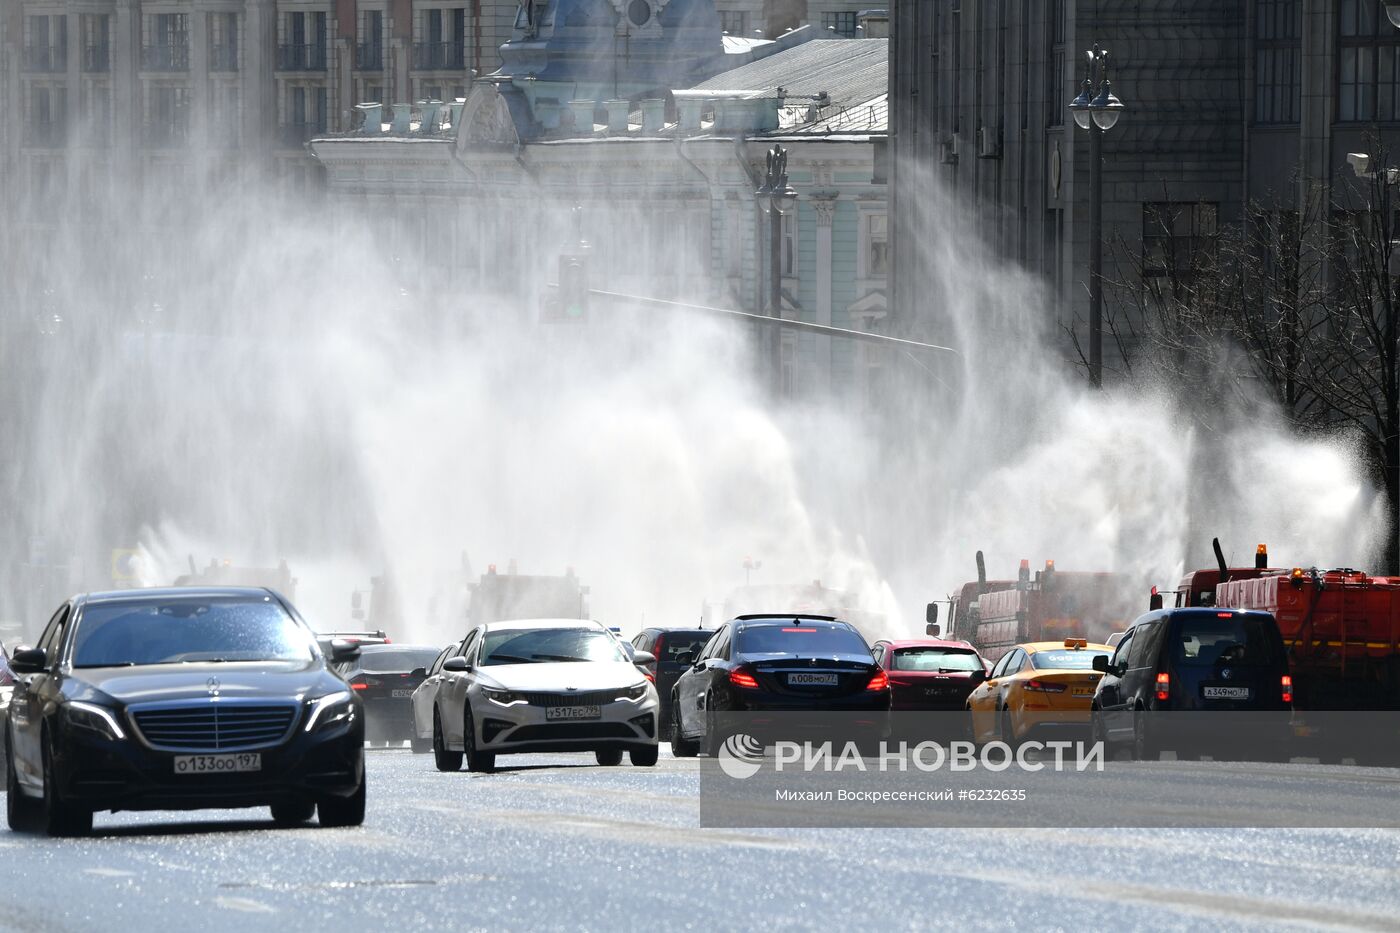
(32, 693)
(426, 694)
(1006, 690)
(1113, 698)
(691, 687)
(983, 700)
(879, 651)
(452, 689)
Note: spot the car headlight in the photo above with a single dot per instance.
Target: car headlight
(503, 697)
(637, 692)
(94, 718)
(330, 709)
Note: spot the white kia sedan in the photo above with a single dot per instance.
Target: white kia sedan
(543, 685)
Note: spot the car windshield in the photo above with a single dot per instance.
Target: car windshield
(173, 631)
(528, 646)
(671, 645)
(1208, 641)
(1066, 659)
(397, 661)
(801, 640)
(946, 660)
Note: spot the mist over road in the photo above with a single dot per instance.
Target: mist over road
(550, 842)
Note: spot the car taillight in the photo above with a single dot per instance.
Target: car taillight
(742, 678)
(1287, 682)
(359, 686)
(1164, 686)
(879, 681)
(648, 676)
(1044, 686)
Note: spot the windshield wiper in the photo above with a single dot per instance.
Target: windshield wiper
(555, 657)
(112, 664)
(508, 659)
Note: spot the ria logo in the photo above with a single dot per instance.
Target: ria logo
(741, 756)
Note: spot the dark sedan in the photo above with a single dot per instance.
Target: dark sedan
(667, 646)
(175, 699)
(785, 663)
(384, 677)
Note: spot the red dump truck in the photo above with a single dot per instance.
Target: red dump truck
(1053, 606)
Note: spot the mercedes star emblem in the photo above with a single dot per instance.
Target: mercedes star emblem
(1225, 672)
(213, 686)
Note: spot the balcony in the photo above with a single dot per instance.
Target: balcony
(301, 58)
(223, 57)
(46, 134)
(97, 59)
(295, 135)
(165, 57)
(439, 56)
(369, 56)
(45, 58)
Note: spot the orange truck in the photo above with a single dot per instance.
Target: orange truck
(1053, 606)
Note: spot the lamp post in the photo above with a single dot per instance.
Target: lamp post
(780, 197)
(1096, 110)
(1392, 12)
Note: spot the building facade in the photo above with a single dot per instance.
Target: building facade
(663, 152)
(1233, 106)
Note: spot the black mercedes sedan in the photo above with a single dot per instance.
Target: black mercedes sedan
(772, 663)
(177, 699)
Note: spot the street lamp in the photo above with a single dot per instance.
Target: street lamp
(1392, 12)
(780, 197)
(1097, 110)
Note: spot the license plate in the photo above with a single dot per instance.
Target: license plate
(218, 764)
(826, 680)
(1225, 693)
(1083, 691)
(400, 694)
(573, 712)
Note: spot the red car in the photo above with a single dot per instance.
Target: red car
(930, 673)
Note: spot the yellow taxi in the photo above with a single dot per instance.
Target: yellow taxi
(1040, 686)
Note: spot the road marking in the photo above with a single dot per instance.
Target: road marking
(109, 872)
(245, 904)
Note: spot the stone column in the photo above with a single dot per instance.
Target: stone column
(259, 87)
(128, 111)
(825, 207)
(199, 80)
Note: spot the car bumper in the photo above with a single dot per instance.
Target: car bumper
(126, 774)
(523, 727)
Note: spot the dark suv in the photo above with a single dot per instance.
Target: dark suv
(668, 645)
(1176, 663)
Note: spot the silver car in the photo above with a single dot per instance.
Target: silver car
(542, 685)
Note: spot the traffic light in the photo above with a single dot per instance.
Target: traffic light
(573, 288)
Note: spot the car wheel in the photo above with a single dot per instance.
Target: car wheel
(1098, 731)
(681, 747)
(60, 817)
(645, 757)
(1144, 746)
(420, 746)
(608, 757)
(713, 740)
(333, 812)
(478, 761)
(445, 759)
(21, 811)
(1008, 728)
(293, 813)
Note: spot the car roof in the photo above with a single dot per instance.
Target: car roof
(139, 594)
(508, 624)
(787, 618)
(679, 631)
(1033, 647)
(374, 649)
(927, 643)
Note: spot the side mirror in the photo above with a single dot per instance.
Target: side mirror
(1155, 602)
(643, 658)
(934, 629)
(931, 614)
(978, 676)
(342, 650)
(1100, 663)
(418, 672)
(28, 660)
(457, 665)
(685, 657)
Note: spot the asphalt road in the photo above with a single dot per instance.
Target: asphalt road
(553, 842)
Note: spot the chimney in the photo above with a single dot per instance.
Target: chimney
(428, 111)
(617, 115)
(583, 116)
(653, 116)
(690, 110)
(373, 123)
(400, 123)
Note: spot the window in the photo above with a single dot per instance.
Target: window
(844, 23)
(1055, 64)
(1015, 662)
(1368, 69)
(1277, 61)
(1000, 667)
(1120, 657)
(97, 43)
(878, 256)
(734, 22)
(437, 662)
(789, 243)
(223, 41)
(51, 633)
(468, 650)
(1175, 237)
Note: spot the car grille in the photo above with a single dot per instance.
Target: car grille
(215, 725)
(591, 698)
(564, 731)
